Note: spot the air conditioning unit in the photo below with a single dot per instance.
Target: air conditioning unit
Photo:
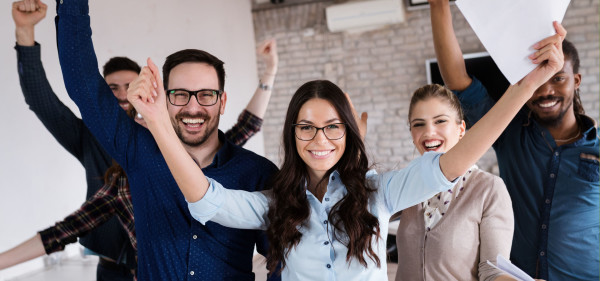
(364, 15)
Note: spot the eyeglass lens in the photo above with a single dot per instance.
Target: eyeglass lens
(332, 131)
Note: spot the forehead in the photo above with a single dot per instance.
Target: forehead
(193, 76)
(567, 66)
(317, 111)
(121, 77)
(432, 107)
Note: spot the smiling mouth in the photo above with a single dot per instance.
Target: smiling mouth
(321, 153)
(432, 144)
(548, 104)
(193, 122)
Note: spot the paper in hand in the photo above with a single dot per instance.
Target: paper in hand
(509, 29)
(510, 269)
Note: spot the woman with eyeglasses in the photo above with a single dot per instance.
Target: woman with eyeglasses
(326, 215)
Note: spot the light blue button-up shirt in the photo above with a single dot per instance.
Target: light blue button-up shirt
(319, 256)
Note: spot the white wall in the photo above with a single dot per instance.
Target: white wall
(39, 181)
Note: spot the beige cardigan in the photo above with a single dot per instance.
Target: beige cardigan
(478, 226)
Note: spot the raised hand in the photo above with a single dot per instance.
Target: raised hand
(26, 14)
(267, 52)
(549, 56)
(146, 93)
(360, 120)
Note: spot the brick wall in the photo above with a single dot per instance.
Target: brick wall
(381, 68)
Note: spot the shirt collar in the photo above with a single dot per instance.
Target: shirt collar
(333, 185)
(224, 154)
(589, 129)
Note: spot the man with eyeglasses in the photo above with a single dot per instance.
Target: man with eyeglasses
(171, 244)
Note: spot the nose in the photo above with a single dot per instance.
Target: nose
(429, 129)
(320, 137)
(544, 90)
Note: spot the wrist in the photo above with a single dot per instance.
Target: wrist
(25, 36)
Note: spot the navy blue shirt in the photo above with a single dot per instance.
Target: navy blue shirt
(109, 239)
(554, 190)
(171, 244)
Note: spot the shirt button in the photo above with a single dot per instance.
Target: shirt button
(195, 237)
(552, 175)
(544, 226)
(542, 253)
(192, 272)
(325, 221)
(547, 201)
(326, 243)
(328, 265)
(327, 199)
(556, 153)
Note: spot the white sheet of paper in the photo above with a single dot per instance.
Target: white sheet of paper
(509, 28)
(510, 269)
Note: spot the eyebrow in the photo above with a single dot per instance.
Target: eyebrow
(328, 121)
(435, 117)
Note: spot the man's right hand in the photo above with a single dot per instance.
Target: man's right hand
(26, 14)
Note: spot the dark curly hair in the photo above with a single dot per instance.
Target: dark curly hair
(289, 209)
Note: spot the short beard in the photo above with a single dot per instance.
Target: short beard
(209, 132)
(552, 121)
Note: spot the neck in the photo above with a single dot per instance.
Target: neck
(316, 188)
(566, 131)
(204, 153)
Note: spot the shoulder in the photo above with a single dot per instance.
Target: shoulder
(249, 161)
(487, 186)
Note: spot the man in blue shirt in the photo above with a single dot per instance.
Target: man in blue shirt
(171, 244)
(548, 157)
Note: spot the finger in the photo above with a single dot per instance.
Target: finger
(547, 41)
(20, 6)
(42, 7)
(30, 5)
(363, 117)
(551, 54)
(560, 30)
(157, 80)
(539, 52)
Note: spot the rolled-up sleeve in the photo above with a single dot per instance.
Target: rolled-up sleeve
(419, 181)
(232, 208)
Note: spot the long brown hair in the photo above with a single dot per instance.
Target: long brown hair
(353, 224)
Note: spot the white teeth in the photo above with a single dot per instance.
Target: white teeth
(548, 104)
(431, 144)
(192, 121)
(320, 153)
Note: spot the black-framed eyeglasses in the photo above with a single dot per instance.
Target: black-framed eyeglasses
(205, 97)
(307, 132)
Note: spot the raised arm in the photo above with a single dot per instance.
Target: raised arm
(250, 120)
(99, 108)
(482, 135)
(60, 121)
(146, 93)
(447, 50)
(267, 52)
